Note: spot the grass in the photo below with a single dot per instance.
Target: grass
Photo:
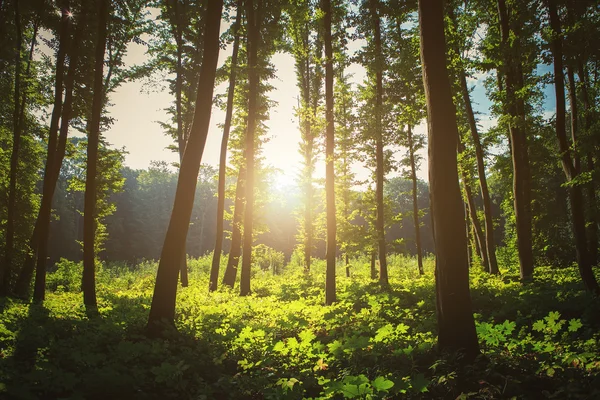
(538, 340)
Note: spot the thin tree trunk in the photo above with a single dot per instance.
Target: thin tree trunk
(479, 236)
(216, 261)
(456, 326)
(468, 233)
(50, 176)
(570, 164)
(490, 244)
(379, 173)
(165, 290)
(518, 140)
(29, 262)
(347, 265)
(330, 291)
(253, 21)
(373, 266)
(236, 232)
(590, 187)
(413, 176)
(89, 205)
(6, 272)
(181, 140)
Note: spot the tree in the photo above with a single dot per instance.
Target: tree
(512, 72)
(330, 295)
(165, 289)
(253, 22)
(216, 261)
(89, 220)
(570, 159)
(456, 326)
(5, 273)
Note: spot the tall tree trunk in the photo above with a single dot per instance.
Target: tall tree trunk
(570, 164)
(236, 231)
(89, 205)
(479, 236)
(379, 173)
(165, 289)
(6, 272)
(456, 326)
(29, 262)
(308, 160)
(177, 30)
(590, 187)
(413, 176)
(253, 21)
(216, 260)
(490, 244)
(518, 140)
(50, 177)
(330, 294)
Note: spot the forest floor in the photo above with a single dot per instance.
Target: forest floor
(538, 340)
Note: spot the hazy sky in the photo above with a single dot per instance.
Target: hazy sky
(136, 112)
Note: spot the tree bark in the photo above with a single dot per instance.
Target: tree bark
(6, 272)
(456, 326)
(253, 22)
(519, 148)
(89, 205)
(490, 244)
(379, 173)
(162, 311)
(590, 187)
(570, 164)
(216, 260)
(330, 291)
(413, 176)
(236, 232)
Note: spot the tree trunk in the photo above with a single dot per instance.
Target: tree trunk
(456, 326)
(570, 164)
(347, 265)
(373, 266)
(253, 21)
(29, 262)
(236, 232)
(173, 7)
(490, 244)
(52, 162)
(479, 237)
(6, 272)
(89, 207)
(590, 187)
(413, 176)
(379, 173)
(518, 140)
(165, 290)
(330, 294)
(468, 233)
(216, 260)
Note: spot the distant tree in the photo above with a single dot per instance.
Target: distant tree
(456, 326)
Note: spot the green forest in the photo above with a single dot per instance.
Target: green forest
(439, 240)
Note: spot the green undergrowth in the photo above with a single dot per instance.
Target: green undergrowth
(538, 339)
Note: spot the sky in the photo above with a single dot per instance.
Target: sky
(136, 108)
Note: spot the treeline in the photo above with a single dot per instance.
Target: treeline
(136, 226)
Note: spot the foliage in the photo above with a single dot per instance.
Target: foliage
(281, 342)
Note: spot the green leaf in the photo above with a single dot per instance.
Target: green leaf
(575, 324)
(381, 384)
(539, 326)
